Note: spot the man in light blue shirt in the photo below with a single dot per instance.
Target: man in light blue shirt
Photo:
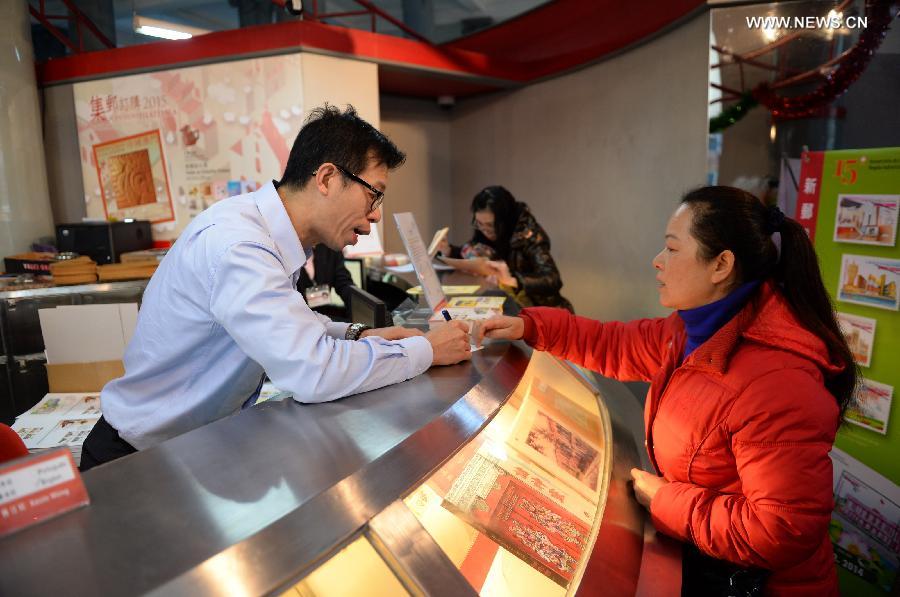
(222, 309)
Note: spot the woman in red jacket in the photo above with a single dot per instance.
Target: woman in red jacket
(749, 379)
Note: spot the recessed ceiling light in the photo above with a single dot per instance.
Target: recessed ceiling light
(165, 29)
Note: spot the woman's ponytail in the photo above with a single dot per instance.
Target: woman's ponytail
(800, 278)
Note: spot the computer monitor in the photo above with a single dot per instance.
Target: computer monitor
(367, 309)
(356, 269)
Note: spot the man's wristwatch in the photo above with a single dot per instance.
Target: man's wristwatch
(354, 330)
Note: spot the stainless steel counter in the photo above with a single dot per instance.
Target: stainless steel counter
(250, 504)
(77, 289)
(256, 498)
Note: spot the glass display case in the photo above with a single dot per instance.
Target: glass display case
(371, 575)
(516, 509)
(506, 475)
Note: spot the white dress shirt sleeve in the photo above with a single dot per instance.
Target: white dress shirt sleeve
(252, 298)
(335, 329)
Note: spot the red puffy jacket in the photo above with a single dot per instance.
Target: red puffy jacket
(741, 430)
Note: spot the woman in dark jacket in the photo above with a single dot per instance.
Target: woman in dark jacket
(519, 249)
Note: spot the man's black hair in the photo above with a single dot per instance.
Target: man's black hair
(341, 138)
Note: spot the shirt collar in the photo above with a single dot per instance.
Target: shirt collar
(280, 227)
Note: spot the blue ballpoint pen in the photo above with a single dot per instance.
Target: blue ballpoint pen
(446, 314)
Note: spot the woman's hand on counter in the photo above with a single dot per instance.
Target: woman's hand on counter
(392, 333)
(450, 343)
(499, 327)
(500, 272)
(646, 485)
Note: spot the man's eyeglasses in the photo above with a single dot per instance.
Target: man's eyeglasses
(378, 197)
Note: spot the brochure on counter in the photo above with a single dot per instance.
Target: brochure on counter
(477, 302)
(470, 308)
(449, 290)
(59, 420)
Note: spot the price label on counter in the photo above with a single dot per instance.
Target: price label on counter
(39, 487)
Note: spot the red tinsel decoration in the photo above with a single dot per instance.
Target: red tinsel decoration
(837, 80)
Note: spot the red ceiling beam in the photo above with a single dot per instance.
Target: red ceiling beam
(548, 40)
(278, 38)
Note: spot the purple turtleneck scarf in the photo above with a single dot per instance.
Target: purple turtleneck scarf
(702, 322)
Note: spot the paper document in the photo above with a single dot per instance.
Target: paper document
(471, 302)
(450, 290)
(59, 420)
(408, 269)
(436, 240)
(421, 261)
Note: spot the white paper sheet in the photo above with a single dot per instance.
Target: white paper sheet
(87, 333)
(421, 262)
(408, 268)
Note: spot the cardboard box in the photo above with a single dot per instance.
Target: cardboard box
(85, 344)
(83, 377)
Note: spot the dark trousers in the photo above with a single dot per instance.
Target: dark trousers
(704, 576)
(103, 445)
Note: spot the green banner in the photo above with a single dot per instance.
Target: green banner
(848, 202)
